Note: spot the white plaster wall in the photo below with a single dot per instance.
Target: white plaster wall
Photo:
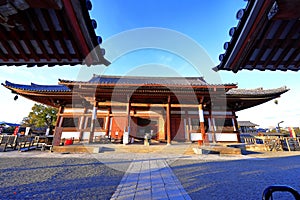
(86, 135)
(68, 135)
(224, 137)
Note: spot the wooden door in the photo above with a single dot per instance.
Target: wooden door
(117, 127)
(177, 129)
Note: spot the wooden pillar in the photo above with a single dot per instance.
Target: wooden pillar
(212, 127)
(202, 127)
(236, 125)
(168, 121)
(107, 123)
(58, 129)
(60, 111)
(81, 128)
(187, 126)
(128, 108)
(93, 121)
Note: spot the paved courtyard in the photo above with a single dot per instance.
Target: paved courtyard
(110, 175)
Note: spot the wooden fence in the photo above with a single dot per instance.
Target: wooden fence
(274, 143)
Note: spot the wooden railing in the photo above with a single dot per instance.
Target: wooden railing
(274, 143)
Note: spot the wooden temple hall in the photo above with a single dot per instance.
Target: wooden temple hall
(164, 108)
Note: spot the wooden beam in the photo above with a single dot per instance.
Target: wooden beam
(40, 33)
(66, 35)
(254, 28)
(8, 48)
(147, 105)
(49, 4)
(288, 9)
(76, 28)
(53, 33)
(24, 19)
(293, 57)
(5, 36)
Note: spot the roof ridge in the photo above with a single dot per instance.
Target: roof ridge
(147, 77)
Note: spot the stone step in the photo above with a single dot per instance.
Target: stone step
(176, 148)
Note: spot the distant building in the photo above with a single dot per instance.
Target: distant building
(247, 127)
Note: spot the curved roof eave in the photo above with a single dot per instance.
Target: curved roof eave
(265, 38)
(39, 34)
(36, 88)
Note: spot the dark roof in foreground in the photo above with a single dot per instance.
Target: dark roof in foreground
(266, 37)
(52, 32)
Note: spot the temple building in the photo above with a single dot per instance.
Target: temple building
(247, 127)
(166, 108)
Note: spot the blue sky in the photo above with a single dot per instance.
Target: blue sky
(205, 22)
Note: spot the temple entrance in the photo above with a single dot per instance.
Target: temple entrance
(140, 126)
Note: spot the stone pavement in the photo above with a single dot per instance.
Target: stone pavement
(150, 179)
(113, 174)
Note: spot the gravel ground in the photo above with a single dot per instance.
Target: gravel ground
(237, 179)
(39, 175)
(57, 178)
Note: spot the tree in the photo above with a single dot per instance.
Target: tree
(40, 117)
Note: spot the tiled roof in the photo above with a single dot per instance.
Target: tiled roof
(49, 32)
(237, 99)
(139, 80)
(240, 99)
(147, 80)
(247, 123)
(266, 37)
(256, 92)
(144, 81)
(37, 88)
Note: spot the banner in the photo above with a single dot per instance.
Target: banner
(292, 132)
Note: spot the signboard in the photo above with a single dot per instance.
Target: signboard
(196, 136)
(47, 131)
(125, 138)
(27, 130)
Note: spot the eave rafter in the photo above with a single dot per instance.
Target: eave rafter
(37, 33)
(266, 38)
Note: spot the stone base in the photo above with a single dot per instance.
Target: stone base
(256, 147)
(76, 149)
(217, 150)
